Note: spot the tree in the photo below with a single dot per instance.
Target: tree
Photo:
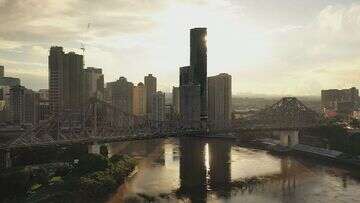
(104, 150)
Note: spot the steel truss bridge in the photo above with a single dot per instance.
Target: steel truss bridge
(102, 122)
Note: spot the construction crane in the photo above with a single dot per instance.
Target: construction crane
(82, 46)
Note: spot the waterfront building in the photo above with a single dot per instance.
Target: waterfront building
(17, 105)
(7, 81)
(185, 77)
(139, 100)
(158, 108)
(198, 65)
(121, 92)
(190, 105)
(44, 94)
(150, 86)
(31, 102)
(219, 101)
(65, 81)
(93, 83)
(334, 98)
(2, 71)
(176, 100)
(44, 110)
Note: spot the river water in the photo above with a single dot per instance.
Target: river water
(198, 170)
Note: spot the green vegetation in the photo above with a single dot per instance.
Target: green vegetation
(46, 155)
(337, 138)
(93, 178)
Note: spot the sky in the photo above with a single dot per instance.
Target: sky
(278, 47)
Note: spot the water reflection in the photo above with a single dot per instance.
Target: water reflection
(220, 168)
(192, 170)
(198, 170)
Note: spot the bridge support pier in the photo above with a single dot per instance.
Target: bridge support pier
(288, 138)
(94, 148)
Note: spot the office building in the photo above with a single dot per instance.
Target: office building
(150, 86)
(44, 94)
(198, 64)
(31, 102)
(93, 83)
(176, 100)
(65, 81)
(121, 92)
(44, 110)
(190, 105)
(17, 104)
(330, 99)
(158, 107)
(185, 77)
(7, 81)
(219, 101)
(73, 64)
(5, 112)
(24, 106)
(139, 100)
(169, 112)
(2, 71)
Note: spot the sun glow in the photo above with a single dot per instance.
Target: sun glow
(229, 39)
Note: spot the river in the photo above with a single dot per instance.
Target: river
(209, 170)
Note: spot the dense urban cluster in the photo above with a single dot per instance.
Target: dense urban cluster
(197, 101)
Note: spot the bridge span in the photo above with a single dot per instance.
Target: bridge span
(103, 123)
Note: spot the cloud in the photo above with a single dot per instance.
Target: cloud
(295, 47)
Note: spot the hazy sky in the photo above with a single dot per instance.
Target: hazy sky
(268, 46)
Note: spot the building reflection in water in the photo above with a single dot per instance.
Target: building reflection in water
(192, 170)
(220, 168)
(204, 167)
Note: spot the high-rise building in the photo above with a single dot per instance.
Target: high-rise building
(219, 101)
(198, 64)
(24, 105)
(93, 83)
(176, 100)
(44, 110)
(65, 81)
(330, 99)
(150, 86)
(121, 92)
(190, 105)
(158, 107)
(185, 77)
(2, 74)
(5, 104)
(139, 100)
(56, 79)
(169, 112)
(44, 94)
(31, 102)
(17, 104)
(73, 66)
(9, 81)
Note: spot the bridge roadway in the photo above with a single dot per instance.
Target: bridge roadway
(224, 134)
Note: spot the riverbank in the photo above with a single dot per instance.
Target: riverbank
(91, 179)
(310, 151)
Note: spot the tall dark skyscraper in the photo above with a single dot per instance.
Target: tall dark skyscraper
(198, 64)
(184, 75)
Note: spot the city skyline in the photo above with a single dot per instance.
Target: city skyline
(305, 46)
